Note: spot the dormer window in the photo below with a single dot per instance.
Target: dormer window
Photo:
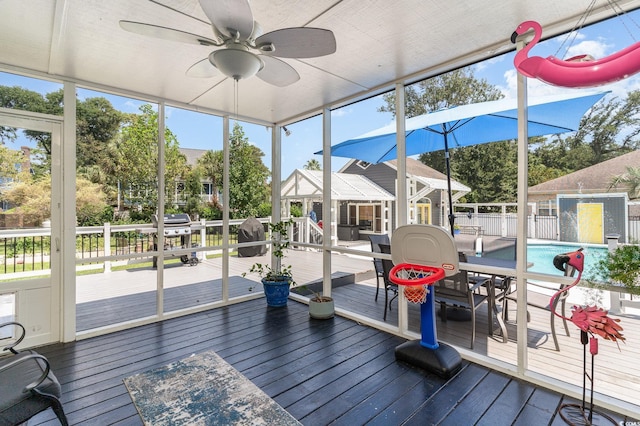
(363, 164)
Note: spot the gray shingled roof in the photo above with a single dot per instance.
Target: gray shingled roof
(593, 179)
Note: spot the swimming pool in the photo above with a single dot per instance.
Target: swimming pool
(541, 255)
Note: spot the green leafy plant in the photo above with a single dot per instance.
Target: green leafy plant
(620, 266)
(280, 242)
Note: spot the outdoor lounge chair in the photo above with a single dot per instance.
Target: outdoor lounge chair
(389, 286)
(459, 292)
(376, 240)
(27, 384)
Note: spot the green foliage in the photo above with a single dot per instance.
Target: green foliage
(630, 180)
(296, 210)
(620, 266)
(9, 158)
(192, 190)
(312, 164)
(247, 175)
(210, 212)
(280, 242)
(211, 166)
(142, 214)
(135, 155)
(264, 210)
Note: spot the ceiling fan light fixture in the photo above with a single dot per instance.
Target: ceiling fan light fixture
(236, 63)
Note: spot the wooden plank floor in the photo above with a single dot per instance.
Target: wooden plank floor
(616, 372)
(323, 372)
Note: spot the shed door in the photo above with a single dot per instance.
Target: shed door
(590, 223)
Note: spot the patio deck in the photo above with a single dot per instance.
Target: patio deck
(617, 378)
(323, 372)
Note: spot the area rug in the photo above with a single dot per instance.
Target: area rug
(202, 389)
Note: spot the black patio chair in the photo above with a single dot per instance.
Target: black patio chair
(376, 240)
(459, 292)
(27, 384)
(389, 286)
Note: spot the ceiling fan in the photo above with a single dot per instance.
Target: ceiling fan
(245, 51)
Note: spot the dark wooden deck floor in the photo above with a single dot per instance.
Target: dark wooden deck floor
(323, 372)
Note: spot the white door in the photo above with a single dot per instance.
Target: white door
(30, 283)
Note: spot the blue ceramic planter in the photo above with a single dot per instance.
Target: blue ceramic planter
(277, 292)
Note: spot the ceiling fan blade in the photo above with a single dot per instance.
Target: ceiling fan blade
(167, 33)
(297, 42)
(277, 72)
(202, 69)
(230, 17)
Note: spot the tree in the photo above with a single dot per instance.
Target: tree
(312, 164)
(134, 154)
(211, 165)
(33, 197)
(607, 130)
(9, 159)
(18, 98)
(247, 175)
(630, 179)
(97, 122)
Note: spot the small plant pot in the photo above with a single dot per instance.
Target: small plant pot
(323, 309)
(276, 292)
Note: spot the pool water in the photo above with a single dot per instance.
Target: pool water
(541, 255)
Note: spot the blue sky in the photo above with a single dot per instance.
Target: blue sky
(201, 131)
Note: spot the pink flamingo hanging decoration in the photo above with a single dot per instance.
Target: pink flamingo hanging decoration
(589, 319)
(578, 71)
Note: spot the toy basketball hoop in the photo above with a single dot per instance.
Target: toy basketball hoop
(416, 280)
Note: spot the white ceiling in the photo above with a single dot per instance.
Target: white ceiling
(378, 43)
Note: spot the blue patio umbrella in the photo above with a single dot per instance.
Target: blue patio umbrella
(471, 124)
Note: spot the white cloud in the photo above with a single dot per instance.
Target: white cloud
(341, 112)
(597, 49)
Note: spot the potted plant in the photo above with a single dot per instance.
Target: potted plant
(321, 307)
(276, 280)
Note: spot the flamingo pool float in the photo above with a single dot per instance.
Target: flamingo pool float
(579, 71)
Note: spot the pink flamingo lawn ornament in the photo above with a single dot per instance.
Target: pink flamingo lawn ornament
(592, 321)
(579, 71)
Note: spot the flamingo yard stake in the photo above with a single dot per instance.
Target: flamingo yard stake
(592, 322)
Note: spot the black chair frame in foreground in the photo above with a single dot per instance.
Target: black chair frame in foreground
(27, 384)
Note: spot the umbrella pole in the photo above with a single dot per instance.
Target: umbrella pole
(452, 217)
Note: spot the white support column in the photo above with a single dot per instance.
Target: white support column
(161, 202)
(328, 209)
(225, 208)
(276, 172)
(401, 193)
(68, 215)
(521, 246)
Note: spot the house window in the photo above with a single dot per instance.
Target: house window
(368, 217)
(363, 164)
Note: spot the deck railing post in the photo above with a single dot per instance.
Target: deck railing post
(107, 246)
(612, 245)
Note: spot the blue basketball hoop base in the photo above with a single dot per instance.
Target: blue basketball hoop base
(428, 353)
(444, 361)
